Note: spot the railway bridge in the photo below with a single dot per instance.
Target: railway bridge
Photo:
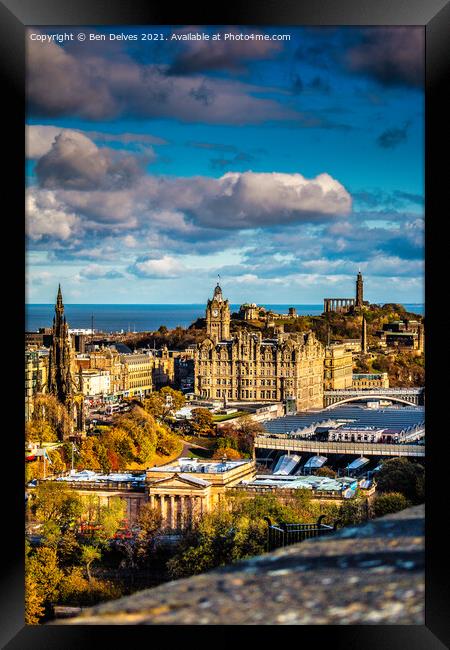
(413, 396)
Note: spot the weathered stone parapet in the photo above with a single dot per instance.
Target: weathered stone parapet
(367, 574)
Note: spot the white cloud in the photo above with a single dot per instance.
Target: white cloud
(165, 267)
(47, 217)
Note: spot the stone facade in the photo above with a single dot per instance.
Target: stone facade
(247, 367)
(338, 367)
(104, 359)
(187, 488)
(249, 311)
(218, 317)
(361, 381)
(137, 374)
(36, 377)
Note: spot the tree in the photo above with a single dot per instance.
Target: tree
(43, 569)
(202, 422)
(110, 519)
(167, 442)
(164, 403)
(404, 476)
(89, 555)
(384, 504)
(40, 431)
(141, 427)
(326, 471)
(47, 409)
(34, 601)
(138, 548)
(218, 539)
(55, 502)
(248, 430)
(352, 512)
(149, 521)
(77, 590)
(228, 452)
(88, 456)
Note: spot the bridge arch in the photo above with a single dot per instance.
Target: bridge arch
(365, 398)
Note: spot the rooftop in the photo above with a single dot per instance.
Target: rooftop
(192, 465)
(321, 483)
(95, 477)
(396, 418)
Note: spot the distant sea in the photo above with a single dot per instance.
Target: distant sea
(141, 318)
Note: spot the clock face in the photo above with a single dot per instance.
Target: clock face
(215, 313)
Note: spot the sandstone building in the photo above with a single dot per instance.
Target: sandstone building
(338, 367)
(187, 488)
(362, 381)
(246, 367)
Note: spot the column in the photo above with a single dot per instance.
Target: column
(182, 512)
(172, 512)
(162, 499)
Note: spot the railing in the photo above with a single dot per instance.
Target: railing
(286, 442)
(380, 390)
(99, 486)
(285, 534)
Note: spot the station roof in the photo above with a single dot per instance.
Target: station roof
(321, 483)
(394, 418)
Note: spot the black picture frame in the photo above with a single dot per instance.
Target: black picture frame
(434, 16)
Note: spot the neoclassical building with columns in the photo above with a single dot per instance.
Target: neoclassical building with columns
(189, 488)
(248, 367)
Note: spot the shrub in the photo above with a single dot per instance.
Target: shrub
(384, 504)
(231, 454)
(402, 475)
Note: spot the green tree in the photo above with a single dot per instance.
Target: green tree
(404, 476)
(89, 555)
(353, 511)
(384, 504)
(55, 502)
(141, 427)
(218, 539)
(167, 442)
(110, 520)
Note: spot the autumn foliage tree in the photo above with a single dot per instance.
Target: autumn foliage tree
(50, 420)
(164, 403)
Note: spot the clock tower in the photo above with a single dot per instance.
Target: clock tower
(218, 317)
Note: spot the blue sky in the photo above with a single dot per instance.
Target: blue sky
(283, 166)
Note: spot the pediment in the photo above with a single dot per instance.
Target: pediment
(177, 481)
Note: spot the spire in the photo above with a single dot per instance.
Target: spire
(364, 335)
(59, 307)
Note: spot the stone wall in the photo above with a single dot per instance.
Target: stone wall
(367, 574)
